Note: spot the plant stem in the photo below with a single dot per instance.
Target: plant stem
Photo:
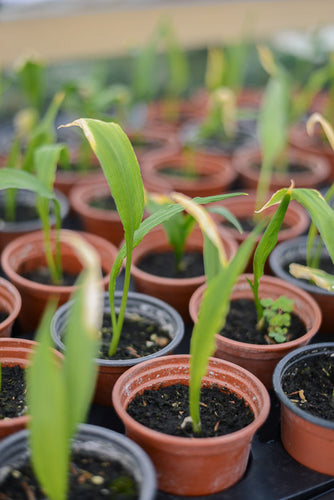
(117, 323)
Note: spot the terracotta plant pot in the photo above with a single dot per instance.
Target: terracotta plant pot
(27, 253)
(188, 466)
(110, 370)
(313, 171)
(307, 438)
(104, 223)
(16, 352)
(150, 141)
(294, 250)
(10, 303)
(299, 139)
(296, 220)
(214, 175)
(98, 441)
(174, 291)
(27, 200)
(170, 116)
(66, 179)
(262, 359)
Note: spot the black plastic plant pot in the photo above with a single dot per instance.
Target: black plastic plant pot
(294, 251)
(309, 439)
(93, 441)
(137, 304)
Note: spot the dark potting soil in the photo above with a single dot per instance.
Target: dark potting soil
(42, 275)
(164, 409)
(241, 323)
(290, 168)
(309, 383)
(12, 394)
(23, 213)
(184, 173)
(140, 337)
(164, 264)
(223, 144)
(3, 315)
(104, 203)
(90, 479)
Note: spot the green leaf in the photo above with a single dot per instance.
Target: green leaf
(266, 244)
(272, 129)
(211, 318)
(49, 440)
(12, 178)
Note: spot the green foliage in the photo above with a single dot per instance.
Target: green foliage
(211, 318)
(272, 129)
(146, 83)
(31, 78)
(59, 394)
(277, 317)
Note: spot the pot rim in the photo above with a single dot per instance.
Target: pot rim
(63, 310)
(288, 361)
(31, 238)
(254, 348)
(274, 262)
(16, 302)
(36, 224)
(185, 442)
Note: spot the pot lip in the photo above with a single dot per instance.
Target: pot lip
(17, 302)
(35, 224)
(274, 262)
(282, 365)
(81, 194)
(31, 238)
(274, 348)
(184, 441)
(99, 433)
(318, 169)
(63, 310)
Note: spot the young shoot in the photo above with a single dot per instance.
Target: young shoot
(46, 158)
(277, 318)
(120, 166)
(59, 394)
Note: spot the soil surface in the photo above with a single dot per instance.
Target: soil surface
(290, 168)
(42, 275)
(310, 385)
(3, 315)
(140, 337)
(241, 323)
(188, 174)
(23, 213)
(103, 203)
(164, 409)
(90, 478)
(13, 392)
(164, 264)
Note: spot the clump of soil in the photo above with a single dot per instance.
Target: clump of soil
(140, 337)
(309, 383)
(164, 409)
(13, 392)
(90, 477)
(164, 264)
(104, 203)
(241, 324)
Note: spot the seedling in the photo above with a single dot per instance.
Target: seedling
(120, 166)
(46, 158)
(59, 395)
(276, 315)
